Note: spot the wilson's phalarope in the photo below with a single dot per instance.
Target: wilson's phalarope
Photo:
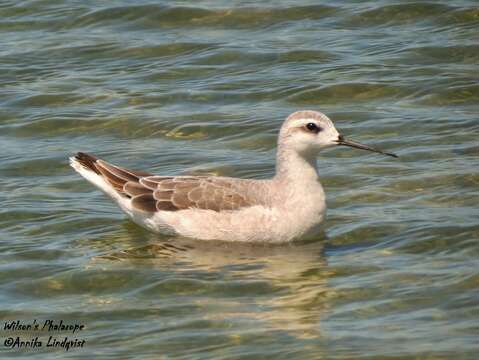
(289, 206)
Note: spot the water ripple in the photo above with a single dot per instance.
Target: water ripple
(182, 88)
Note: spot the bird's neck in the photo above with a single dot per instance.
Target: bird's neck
(295, 168)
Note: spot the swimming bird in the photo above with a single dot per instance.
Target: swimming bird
(289, 206)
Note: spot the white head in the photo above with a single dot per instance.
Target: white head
(307, 132)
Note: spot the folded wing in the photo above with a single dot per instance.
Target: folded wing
(165, 193)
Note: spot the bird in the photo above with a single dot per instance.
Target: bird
(289, 206)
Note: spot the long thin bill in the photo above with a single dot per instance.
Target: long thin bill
(356, 145)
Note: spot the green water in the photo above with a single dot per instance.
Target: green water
(183, 87)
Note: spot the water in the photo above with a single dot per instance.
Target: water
(202, 87)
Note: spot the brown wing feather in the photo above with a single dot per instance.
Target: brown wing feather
(166, 206)
(87, 161)
(165, 193)
(116, 181)
(152, 182)
(144, 202)
(135, 188)
(116, 171)
(201, 193)
(118, 177)
(181, 193)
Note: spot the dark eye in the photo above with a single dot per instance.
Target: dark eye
(313, 128)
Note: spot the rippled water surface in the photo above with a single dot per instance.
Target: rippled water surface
(181, 87)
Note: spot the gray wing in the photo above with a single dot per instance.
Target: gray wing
(185, 192)
(164, 193)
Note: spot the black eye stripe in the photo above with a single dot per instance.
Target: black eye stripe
(312, 127)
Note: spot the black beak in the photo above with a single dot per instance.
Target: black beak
(342, 141)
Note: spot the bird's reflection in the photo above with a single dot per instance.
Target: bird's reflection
(294, 276)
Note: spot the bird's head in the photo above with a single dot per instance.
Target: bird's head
(308, 132)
